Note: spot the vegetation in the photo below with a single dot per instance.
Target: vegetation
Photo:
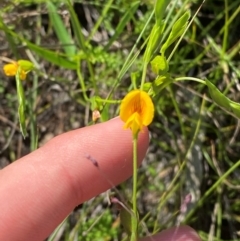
(87, 56)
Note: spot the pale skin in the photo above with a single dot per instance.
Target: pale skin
(39, 190)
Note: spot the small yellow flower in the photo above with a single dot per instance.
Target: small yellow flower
(136, 110)
(23, 65)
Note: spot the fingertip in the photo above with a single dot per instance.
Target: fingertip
(143, 137)
(61, 177)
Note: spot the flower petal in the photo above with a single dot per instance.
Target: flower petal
(10, 69)
(134, 123)
(136, 110)
(23, 75)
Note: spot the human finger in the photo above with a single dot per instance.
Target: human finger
(38, 191)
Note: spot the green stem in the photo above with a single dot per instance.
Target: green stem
(178, 112)
(109, 101)
(81, 80)
(144, 74)
(191, 78)
(93, 79)
(134, 195)
(225, 36)
(32, 106)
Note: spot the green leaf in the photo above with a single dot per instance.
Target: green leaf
(160, 83)
(60, 30)
(218, 97)
(235, 108)
(154, 41)
(95, 103)
(177, 30)
(105, 113)
(159, 10)
(159, 65)
(76, 27)
(21, 105)
(147, 87)
(224, 102)
(126, 217)
(55, 58)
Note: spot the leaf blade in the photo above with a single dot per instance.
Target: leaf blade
(177, 30)
(60, 30)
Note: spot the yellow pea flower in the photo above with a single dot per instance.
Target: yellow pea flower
(12, 68)
(136, 110)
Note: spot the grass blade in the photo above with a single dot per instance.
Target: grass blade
(76, 27)
(60, 30)
(124, 20)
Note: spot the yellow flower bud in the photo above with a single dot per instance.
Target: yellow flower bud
(23, 65)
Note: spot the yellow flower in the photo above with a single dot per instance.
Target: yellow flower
(23, 65)
(136, 110)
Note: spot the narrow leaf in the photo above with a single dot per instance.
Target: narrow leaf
(160, 83)
(159, 10)
(105, 113)
(76, 27)
(9, 38)
(60, 30)
(126, 217)
(21, 105)
(218, 97)
(235, 107)
(55, 58)
(153, 42)
(177, 30)
(224, 102)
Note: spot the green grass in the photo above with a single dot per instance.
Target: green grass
(195, 144)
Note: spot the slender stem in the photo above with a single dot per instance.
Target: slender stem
(109, 101)
(211, 189)
(100, 19)
(131, 56)
(178, 112)
(93, 79)
(134, 194)
(190, 78)
(144, 74)
(81, 80)
(225, 36)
